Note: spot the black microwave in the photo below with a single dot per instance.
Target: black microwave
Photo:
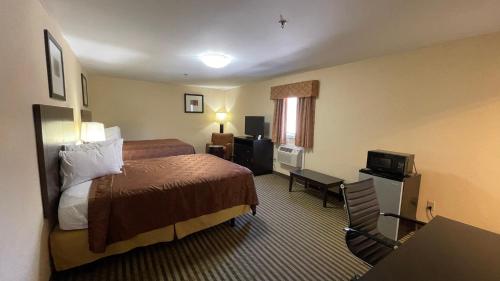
(395, 163)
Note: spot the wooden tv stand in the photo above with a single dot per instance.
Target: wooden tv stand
(255, 154)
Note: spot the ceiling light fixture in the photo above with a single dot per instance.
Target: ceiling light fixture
(282, 21)
(215, 60)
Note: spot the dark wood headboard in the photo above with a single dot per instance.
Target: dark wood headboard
(54, 127)
(86, 115)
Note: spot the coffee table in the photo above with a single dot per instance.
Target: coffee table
(321, 180)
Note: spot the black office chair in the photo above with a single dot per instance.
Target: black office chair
(362, 236)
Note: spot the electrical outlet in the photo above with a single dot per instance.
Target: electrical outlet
(431, 205)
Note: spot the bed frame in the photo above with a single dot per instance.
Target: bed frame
(86, 115)
(54, 127)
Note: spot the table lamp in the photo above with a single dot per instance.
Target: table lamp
(92, 132)
(221, 116)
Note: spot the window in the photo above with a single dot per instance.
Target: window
(291, 119)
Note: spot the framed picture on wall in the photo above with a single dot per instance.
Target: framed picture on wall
(193, 103)
(85, 93)
(55, 67)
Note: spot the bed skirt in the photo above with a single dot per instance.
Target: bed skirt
(70, 248)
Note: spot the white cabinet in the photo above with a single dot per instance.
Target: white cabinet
(395, 196)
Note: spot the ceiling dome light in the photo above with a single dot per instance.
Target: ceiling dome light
(215, 60)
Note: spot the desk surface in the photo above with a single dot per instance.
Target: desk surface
(443, 250)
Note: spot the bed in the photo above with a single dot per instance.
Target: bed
(144, 149)
(200, 191)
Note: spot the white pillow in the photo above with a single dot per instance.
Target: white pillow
(73, 207)
(81, 166)
(117, 146)
(113, 133)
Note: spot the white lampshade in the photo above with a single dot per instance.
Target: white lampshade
(92, 131)
(220, 116)
(215, 60)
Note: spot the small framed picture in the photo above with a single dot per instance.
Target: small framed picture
(85, 93)
(193, 103)
(55, 67)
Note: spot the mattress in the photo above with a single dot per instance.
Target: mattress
(73, 207)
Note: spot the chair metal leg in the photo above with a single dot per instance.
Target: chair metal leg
(325, 195)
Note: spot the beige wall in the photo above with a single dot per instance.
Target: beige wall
(23, 82)
(441, 103)
(148, 110)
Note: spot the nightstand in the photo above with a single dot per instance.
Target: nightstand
(217, 150)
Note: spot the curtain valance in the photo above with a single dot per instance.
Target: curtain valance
(300, 90)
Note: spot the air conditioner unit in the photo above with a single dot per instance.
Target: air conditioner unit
(290, 155)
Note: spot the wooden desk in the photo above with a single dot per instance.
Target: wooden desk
(443, 250)
(319, 179)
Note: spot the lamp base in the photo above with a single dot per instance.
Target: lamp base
(221, 129)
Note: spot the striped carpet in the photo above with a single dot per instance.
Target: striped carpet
(292, 238)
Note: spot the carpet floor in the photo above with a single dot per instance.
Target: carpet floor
(292, 237)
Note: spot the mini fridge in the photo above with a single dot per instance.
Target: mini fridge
(398, 195)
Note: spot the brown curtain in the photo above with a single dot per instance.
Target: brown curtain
(304, 134)
(279, 122)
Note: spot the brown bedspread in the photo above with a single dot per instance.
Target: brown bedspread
(143, 149)
(154, 193)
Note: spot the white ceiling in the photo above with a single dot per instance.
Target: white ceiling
(160, 40)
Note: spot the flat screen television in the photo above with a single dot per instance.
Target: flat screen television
(254, 125)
